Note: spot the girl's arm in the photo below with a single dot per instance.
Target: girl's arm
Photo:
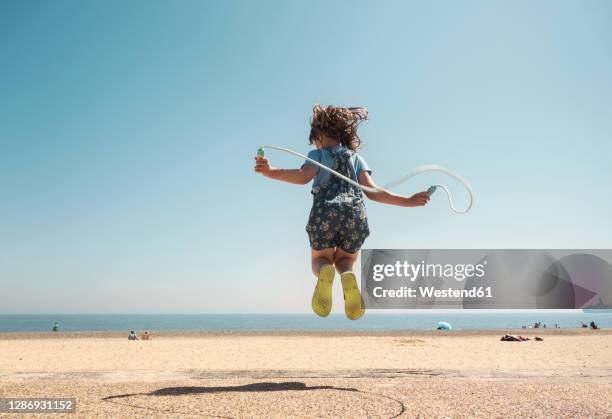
(298, 176)
(385, 197)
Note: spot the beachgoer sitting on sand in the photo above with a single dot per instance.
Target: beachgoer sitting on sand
(512, 338)
(594, 325)
(145, 336)
(132, 336)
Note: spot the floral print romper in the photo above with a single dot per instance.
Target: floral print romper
(338, 216)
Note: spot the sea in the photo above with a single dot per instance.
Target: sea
(473, 320)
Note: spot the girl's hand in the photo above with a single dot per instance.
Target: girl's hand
(262, 165)
(419, 199)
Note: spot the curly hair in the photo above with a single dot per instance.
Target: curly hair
(337, 123)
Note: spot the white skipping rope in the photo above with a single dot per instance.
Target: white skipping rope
(416, 171)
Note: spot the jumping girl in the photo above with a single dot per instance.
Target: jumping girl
(338, 224)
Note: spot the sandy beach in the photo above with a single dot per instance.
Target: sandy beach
(197, 374)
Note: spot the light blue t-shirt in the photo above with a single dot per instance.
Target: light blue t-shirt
(323, 156)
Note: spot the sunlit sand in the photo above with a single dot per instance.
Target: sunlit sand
(316, 374)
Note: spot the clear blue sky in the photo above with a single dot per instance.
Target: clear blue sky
(127, 131)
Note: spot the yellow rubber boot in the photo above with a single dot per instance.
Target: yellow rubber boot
(354, 307)
(322, 297)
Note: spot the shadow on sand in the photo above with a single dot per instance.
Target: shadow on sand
(246, 388)
(255, 387)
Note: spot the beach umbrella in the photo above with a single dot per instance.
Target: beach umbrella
(444, 326)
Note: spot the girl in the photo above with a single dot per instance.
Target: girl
(337, 225)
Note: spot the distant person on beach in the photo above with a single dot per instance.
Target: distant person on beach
(145, 336)
(338, 225)
(55, 327)
(132, 336)
(513, 338)
(594, 325)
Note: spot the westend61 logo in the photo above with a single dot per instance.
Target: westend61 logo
(411, 271)
(491, 279)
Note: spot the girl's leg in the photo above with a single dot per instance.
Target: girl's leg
(354, 306)
(320, 258)
(323, 268)
(344, 261)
